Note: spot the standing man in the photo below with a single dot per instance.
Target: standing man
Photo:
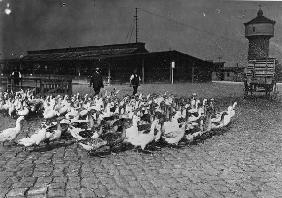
(96, 81)
(135, 81)
(16, 76)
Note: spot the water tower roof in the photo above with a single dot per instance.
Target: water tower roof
(260, 19)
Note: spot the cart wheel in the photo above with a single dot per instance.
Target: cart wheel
(246, 90)
(245, 93)
(275, 92)
(274, 96)
(269, 90)
(275, 88)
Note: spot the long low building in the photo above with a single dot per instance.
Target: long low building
(117, 62)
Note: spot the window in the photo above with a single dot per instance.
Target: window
(254, 29)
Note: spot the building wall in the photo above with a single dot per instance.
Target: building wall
(227, 76)
(157, 68)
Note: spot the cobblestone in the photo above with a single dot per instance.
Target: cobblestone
(242, 161)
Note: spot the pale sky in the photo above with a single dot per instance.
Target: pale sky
(207, 29)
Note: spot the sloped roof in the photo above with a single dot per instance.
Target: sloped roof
(174, 53)
(230, 69)
(86, 53)
(260, 19)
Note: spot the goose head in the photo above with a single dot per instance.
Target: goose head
(230, 108)
(135, 119)
(234, 105)
(176, 115)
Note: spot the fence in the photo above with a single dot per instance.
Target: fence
(39, 85)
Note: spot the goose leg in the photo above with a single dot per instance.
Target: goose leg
(14, 143)
(177, 146)
(48, 144)
(24, 148)
(98, 155)
(101, 156)
(146, 151)
(135, 149)
(157, 147)
(34, 146)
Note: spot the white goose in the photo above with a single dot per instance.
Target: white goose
(23, 111)
(225, 118)
(132, 131)
(11, 133)
(35, 139)
(173, 132)
(193, 118)
(230, 111)
(56, 134)
(11, 109)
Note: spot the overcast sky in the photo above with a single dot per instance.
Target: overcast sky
(207, 29)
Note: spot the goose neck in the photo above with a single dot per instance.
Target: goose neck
(18, 125)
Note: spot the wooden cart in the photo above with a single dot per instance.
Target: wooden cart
(260, 76)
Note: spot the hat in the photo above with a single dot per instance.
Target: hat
(97, 69)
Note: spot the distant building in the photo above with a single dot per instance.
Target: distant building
(117, 62)
(222, 73)
(217, 71)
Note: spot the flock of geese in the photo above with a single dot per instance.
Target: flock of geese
(109, 122)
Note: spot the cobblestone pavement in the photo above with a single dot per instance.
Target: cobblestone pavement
(241, 161)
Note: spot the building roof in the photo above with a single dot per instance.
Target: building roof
(104, 52)
(175, 54)
(232, 69)
(260, 19)
(86, 53)
(10, 60)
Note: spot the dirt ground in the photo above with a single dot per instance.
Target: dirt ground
(243, 160)
(212, 89)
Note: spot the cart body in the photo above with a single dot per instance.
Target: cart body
(260, 76)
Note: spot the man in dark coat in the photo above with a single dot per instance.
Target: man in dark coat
(135, 81)
(16, 76)
(97, 81)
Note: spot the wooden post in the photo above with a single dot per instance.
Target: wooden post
(171, 75)
(41, 87)
(172, 68)
(143, 71)
(70, 87)
(193, 73)
(109, 74)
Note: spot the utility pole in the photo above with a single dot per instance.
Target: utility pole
(136, 25)
(192, 73)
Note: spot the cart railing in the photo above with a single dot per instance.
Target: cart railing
(261, 68)
(39, 85)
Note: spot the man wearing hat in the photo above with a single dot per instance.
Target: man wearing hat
(135, 81)
(16, 76)
(96, 81)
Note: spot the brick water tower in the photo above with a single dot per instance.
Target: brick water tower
(258, 31)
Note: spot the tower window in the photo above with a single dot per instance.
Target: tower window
(254, 29)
